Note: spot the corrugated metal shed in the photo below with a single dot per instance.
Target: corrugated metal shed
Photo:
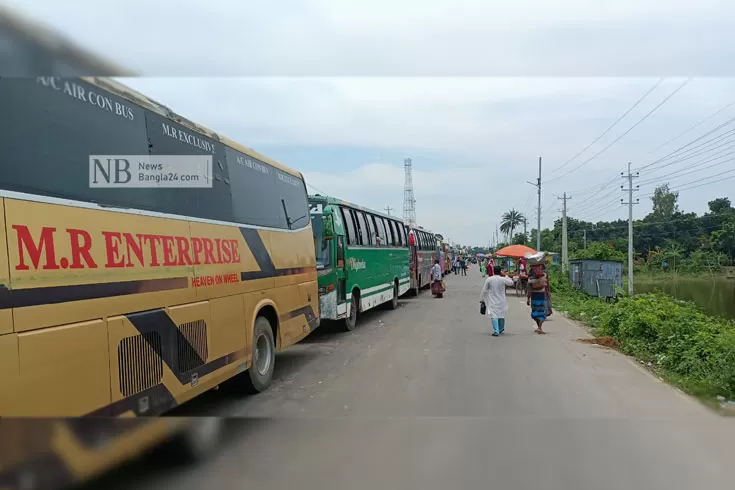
(596, 277)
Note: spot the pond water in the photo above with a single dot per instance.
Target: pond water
(715, 296)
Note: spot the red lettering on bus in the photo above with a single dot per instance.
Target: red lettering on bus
(112, 242)
(151, 239)
(26, 244)
(226, 254)
(80, 250)
(235, 255)
(169, 258)
(197, 246)
(208, 246)
(218, 243)
(182, 245)
(136, 247)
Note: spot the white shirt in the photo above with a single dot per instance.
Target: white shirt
(437, 272)
(493, 294)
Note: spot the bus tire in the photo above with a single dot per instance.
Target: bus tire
(394, 301)
(197, 442)
(351, 319)
(259, 376)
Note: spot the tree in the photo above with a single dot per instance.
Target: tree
(664, 202)
(672, 251)
(510, 221)
(725, 238)
(720, 205)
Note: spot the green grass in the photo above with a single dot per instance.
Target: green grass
(687, 348)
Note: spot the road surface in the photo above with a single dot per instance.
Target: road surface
(424, 397)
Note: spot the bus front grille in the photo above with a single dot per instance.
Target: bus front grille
(140, 362)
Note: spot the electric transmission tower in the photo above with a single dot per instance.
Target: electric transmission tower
(409, 203)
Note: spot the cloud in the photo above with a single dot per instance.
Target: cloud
(389, 38)
(475, 140)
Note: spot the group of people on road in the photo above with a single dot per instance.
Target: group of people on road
(459, 265)
(494, 303)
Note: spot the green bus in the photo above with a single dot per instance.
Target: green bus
(362, 258)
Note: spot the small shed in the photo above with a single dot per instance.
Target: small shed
(596, 277)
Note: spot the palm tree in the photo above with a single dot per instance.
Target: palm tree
(509, 221)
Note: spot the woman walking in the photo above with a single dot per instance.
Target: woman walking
(437, 286)
(537, 296)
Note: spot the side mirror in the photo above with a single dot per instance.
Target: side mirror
(328, 226)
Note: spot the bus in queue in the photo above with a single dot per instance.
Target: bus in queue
(423, 251)
(123, 301)
(361, 259)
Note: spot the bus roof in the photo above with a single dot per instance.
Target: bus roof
(136, 97)
(318, 198)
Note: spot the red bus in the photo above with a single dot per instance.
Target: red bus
(423, 249)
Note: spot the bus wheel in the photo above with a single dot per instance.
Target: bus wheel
(200, 439)
(351, 320)
(258, 377)
(394, 301)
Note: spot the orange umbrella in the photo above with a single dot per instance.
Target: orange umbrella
(515, 251)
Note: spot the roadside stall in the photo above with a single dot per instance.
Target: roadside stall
(517, 252)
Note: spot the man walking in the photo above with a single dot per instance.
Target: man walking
(493, 295)
(463, 265)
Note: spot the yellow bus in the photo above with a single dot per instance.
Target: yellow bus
(128, 301)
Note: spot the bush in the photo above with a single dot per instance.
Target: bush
(675, 336)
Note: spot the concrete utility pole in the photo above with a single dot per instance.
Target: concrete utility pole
(388, 209)
(630, 203)
(525, 233)
(538, 210)
(585, 239)
(564, 244)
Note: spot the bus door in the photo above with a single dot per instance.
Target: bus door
(341, 270)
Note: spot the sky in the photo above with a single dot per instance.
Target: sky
(474, 92)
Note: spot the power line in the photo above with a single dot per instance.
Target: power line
(656, 85)
(700, 180)
(666, 157)
(708, 147)
(693, 127)
(673, 175)
(676, 90)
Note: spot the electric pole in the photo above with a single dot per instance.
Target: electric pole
(525, 235)
(388, 209)
(630, 203)
(585, 239)
(538, 210)
(564, 244)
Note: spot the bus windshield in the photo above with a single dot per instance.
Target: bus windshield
(321, 246)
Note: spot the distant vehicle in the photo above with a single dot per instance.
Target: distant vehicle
(362, 258)
(423, 247)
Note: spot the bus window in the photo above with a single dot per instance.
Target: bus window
(40, 154)
(391, 233)
(386, 233)
(349, 226)
(380, 230)
(370, 230)
(364, 232)
(340, 251)
(215, 202)
(404, 236)
(253, 191)
(294, 205)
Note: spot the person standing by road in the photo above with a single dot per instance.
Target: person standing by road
(454, 264)
(537, 297)
(463, 265)
(437, 286)
(493, 295)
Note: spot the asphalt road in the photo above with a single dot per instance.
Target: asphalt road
(424, 397)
